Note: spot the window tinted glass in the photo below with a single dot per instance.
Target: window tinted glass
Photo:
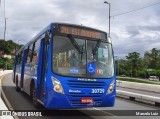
(29, 54)
(36, 51)
(20, 55)
(66, 58)
(101, 62)
(69, 57)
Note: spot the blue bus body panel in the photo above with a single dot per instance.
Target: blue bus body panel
(39, 72)
(73, 100)
(14, 68)
(39, 69)
(23, 67)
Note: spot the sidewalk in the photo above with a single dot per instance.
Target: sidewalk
(3, 108)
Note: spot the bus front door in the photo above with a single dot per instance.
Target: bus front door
(43, 68)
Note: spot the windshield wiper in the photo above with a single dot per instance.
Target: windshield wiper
(94, 51)
(75, 44)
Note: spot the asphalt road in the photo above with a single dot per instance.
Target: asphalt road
(21, 101)
(139, 91)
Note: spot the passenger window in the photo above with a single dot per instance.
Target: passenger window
(36, 51)
(20, 55)
(29, 54)
(18, 62)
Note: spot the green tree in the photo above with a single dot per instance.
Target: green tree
(152, 58)
(121, 67)
(7, 47)
(134, 62)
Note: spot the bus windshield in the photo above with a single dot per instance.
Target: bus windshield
(82, 57)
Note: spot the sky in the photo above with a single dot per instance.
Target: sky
(137, 31)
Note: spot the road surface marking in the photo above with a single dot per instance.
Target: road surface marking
(107, 113)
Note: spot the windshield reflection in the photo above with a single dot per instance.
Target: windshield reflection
(82, 58)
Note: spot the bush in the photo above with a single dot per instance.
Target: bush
(155, 73)
(6, 63)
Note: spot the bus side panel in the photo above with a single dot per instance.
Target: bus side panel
(30, 73)
(48, 83)
(22, 70)
(27, 75)
(27, 78)
(39, 70)
(18, 74)
(14, 69)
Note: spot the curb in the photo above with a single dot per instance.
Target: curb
(8, 103)
(139, 86)
(139, 97)
(4, 101)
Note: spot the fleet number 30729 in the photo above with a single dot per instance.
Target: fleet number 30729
(98, 90)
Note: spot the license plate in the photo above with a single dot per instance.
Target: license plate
(86, 100)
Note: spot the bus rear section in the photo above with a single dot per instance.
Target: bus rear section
(75, 69)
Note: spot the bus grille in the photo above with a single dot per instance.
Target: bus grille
(75, 98)
(85, 84)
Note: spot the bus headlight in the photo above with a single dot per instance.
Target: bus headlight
(57, 86)
(111, 88)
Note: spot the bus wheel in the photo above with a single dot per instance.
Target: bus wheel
(17, 88)
(33, 95)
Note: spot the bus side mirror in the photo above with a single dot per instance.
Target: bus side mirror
(47, 37)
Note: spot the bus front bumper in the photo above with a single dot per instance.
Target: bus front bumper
(56, 100)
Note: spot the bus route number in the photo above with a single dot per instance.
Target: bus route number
(97, 90)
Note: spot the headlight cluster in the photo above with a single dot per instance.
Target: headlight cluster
(111, 88)
(57, 86)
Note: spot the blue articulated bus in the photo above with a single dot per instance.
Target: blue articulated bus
(67, 66)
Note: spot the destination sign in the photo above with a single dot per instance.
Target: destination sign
(82, 32)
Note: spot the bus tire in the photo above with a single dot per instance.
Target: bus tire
(17, 88)
(33, 96)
